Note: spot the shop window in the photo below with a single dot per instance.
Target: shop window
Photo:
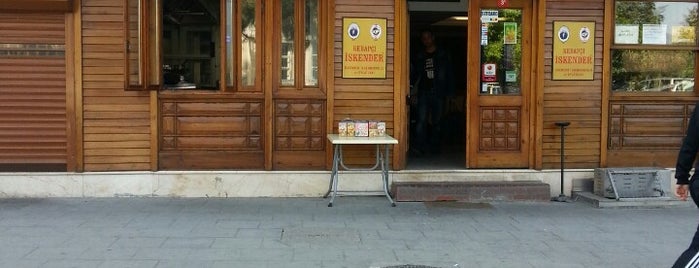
(183, 44)
(654, 47)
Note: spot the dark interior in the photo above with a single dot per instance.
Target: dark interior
(190, 44)
(450, 35)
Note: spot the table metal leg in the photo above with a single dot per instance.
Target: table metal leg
(384, 174)
(333, 173)
(334, 176)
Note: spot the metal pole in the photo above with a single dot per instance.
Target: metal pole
(562, 197)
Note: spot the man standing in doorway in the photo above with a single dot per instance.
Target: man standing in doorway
(432, 81)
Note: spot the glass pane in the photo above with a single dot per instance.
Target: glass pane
(248, 51)
(311, 57)
(134, 43)
(191, 31)
(655, 23)
(287, 47)
(652, 71)
(501, 54)
(230, 46)
(153, 40)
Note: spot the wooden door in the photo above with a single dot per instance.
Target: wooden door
(500, 85)
(298, 96)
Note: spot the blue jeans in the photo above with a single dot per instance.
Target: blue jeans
(429, 113)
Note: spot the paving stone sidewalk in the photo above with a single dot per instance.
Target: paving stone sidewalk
(357, 232)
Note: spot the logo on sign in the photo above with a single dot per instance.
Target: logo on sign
(353, 31)
(503, 3)
(563, 34)
(375, 31)
(489, 72)
(584, 34)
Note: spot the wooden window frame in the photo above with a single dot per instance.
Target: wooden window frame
(237, 48)
(150, 78)
(299, 87)
(146, 80)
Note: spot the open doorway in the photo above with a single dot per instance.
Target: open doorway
(437, 141)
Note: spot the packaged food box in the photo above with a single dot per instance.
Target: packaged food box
(373, 128)
(361, 128)
(342, 128)
(350, 128)
(381, 128)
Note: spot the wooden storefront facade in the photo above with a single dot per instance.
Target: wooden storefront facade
(83, 90)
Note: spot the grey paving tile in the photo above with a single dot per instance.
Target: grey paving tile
(226, 242)
(99, 253)
(217, 254)
(129, 264)
(162, 254)
(258, 233)
(255, 264)
(62, 253)
(72, 263)
(139, 242)
(193, 242)
(22, 263)
(278, 255)
(318, 254)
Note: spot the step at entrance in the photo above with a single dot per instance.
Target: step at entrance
(472, 191)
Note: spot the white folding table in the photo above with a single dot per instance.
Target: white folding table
(382, 161)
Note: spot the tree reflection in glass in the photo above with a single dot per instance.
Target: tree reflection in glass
(669, 69)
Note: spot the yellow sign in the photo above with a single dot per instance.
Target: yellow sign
(363, 48)
(573, 50)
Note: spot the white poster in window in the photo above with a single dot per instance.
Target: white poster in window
(626, 34)
(654, 34)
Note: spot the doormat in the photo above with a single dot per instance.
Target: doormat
(458, 205)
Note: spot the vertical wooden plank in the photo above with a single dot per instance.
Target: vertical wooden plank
(329, 29)
(400, 83)
(538, 99)
(606, 80)
(71, 129)
(472, 85)
(268, 112)
(154, 130)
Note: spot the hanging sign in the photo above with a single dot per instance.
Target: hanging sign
(364, 48)
(489, 72)
(489, 15)
(573, 50)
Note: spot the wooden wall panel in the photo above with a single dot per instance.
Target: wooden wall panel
(116, 122)
(640, 132)
(210, 132)
(579, 102)
(365, 99)
(33, 120)
(299, 134)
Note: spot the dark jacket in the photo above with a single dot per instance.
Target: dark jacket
(688, 151)
(443, 77)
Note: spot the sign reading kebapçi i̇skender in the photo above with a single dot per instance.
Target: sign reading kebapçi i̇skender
(573, 50)
(364, 48)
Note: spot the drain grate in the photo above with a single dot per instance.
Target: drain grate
(409, 266)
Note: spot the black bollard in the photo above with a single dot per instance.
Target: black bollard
(562, 197)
